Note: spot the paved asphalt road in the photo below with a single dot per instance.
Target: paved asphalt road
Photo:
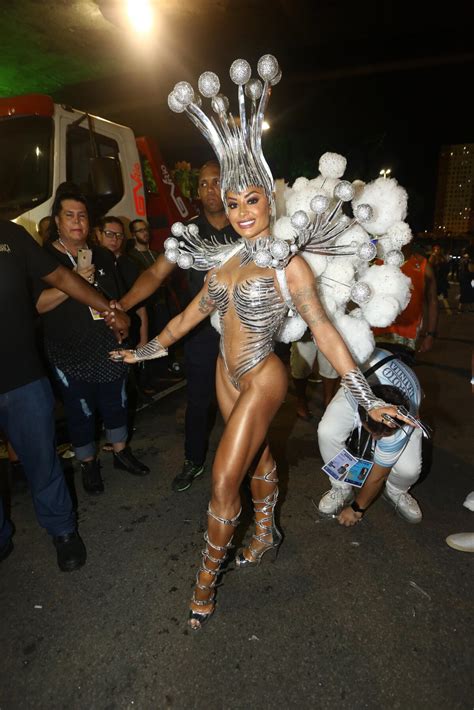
(378, 616)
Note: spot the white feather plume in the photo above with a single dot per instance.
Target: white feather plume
(388, 201)
(357, 334)
(282, 229)
(332, 165)
(317, 262)
(381, 311)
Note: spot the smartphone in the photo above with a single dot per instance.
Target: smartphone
(84, 258)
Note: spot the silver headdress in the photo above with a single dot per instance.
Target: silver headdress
(237, 144)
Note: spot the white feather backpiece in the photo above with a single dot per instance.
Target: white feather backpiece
(380, 292)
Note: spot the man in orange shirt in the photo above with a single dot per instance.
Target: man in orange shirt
(415, 328)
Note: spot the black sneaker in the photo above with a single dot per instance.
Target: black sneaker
(189, 472)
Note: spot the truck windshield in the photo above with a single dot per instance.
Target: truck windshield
(25, 163)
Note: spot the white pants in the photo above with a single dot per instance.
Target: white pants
(334, 429)
(303, 355)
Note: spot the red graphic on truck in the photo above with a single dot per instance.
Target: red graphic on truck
(138, 197)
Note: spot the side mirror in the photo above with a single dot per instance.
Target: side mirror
(106, 177)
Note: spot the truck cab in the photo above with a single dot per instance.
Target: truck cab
(44, 144)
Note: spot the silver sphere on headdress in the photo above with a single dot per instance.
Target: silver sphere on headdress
(394, 258)
(344, 191)
(319, 204)
(220, 103)
(276, 79)
(171, 243)
(367, 251)
(177, 229)
(299, 220)
(185, 261)
(184, 92)
(174, 104)
(209, 84)
(172, 255)
(279, 249)
(267, 67)
(364, 213)
(193, 229)
(361, 293)
(253, 89)
(240, 72)
(263, 258)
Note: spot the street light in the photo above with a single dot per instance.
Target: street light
(385, 172)
(140, 15)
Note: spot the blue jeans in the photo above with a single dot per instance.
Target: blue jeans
(81, 400)
(27, 418)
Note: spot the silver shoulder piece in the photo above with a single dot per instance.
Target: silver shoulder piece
(187, 249)
(318, 235)
(356, 384)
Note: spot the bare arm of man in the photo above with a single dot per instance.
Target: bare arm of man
(147, 283)
(75, 287)
(52, 297)
(368, 493)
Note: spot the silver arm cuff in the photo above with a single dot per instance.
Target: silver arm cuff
(355, 383)
(150, 351)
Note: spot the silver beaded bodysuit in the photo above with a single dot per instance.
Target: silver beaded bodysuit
(251, 312)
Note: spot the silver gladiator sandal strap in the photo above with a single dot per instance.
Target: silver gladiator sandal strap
(150, 351)
(208, 557)
(356, 384)
(264, 507)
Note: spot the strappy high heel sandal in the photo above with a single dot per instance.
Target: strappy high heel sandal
(266, 524)
(197, 619)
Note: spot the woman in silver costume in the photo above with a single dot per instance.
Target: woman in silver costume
(252, 300)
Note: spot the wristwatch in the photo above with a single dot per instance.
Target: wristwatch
(356, 508)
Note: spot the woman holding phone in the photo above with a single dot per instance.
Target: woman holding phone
(77, 340)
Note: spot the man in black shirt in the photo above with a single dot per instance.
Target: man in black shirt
(26, 399)
(202, 344)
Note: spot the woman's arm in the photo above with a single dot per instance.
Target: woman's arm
(200, 308)
(303, 290)
(304, 293)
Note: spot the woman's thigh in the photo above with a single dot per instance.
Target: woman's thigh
(248, 415)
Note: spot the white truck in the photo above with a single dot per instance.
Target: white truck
(43, 144)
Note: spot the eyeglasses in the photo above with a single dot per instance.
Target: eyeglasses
(143, 229)
(110, 234)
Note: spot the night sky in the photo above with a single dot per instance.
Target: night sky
(386, 84)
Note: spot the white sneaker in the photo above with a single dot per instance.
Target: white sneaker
(461, 541)
(405, 505)
(334, 500)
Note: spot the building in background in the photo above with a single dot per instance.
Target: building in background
(454, 209)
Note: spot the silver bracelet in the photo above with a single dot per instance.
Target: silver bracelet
(150, 351)
(355, 383)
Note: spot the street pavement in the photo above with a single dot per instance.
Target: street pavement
(376, 616)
